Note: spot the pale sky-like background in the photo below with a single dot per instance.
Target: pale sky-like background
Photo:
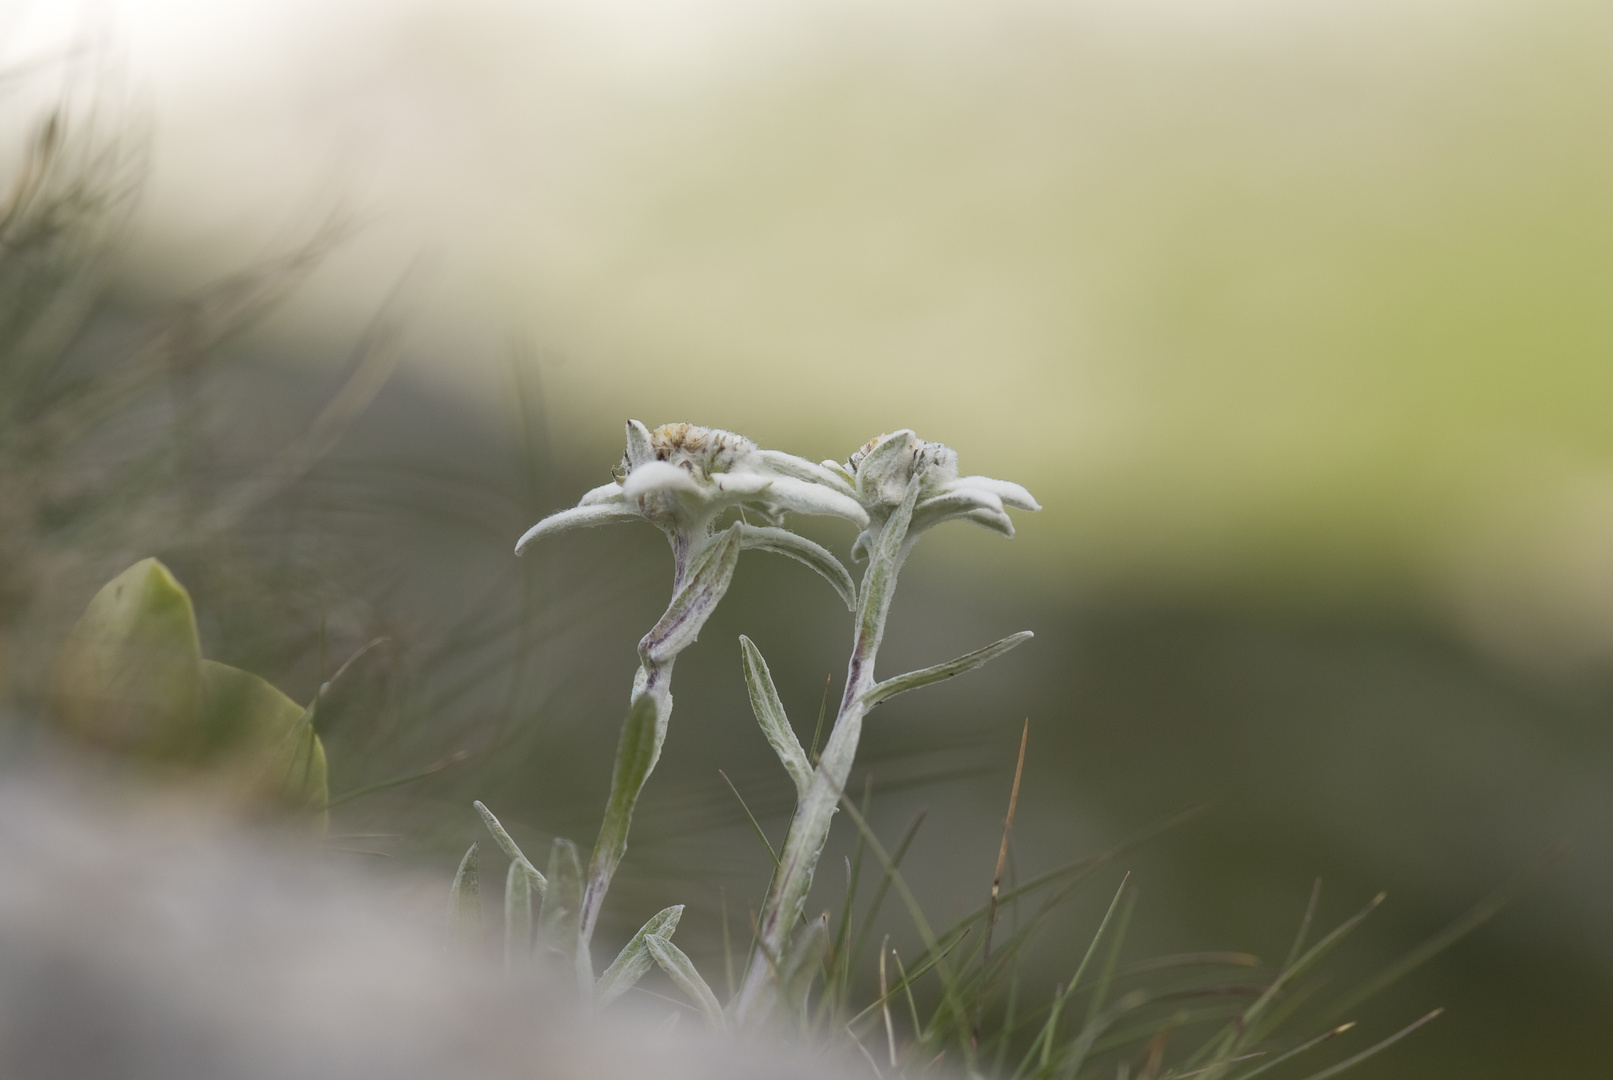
(1306, 300)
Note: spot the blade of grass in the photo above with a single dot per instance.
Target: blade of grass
(823, 708)
(751, 818)
(1304, 925)
(1049, 1030)
(1350, 1063)
(1101, 991)
(727, 944)
(398, 781)
(1079, 868)
(842, 957)
(1296, 1051)
(883, 888)
(1008, 828)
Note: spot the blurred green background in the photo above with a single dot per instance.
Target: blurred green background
(1295, 317)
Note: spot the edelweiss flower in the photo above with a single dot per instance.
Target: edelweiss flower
(680, 477)
(878, 475)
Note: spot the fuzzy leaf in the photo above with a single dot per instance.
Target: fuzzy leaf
(639, 449)
(801, 964)
(769, 710)
(955, 502)
(562, 901)
(678, 628)
(662, 477)
(517, 917)
(830, 475)
(900, 684)
(682, 971)
(465, 903)
(799, 548)
(635, 959)
(538, 881)
(1010, 493)
(578, 517)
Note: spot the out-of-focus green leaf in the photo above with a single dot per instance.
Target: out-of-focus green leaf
(127, 677)
(260, 730)
(682, 971)
(635, 756)
(562, 900)
(635, 959)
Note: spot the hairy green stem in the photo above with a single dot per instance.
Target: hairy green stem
(814, 812)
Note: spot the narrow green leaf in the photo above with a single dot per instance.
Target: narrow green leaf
(900, 684)
(537, 880)
(517, 917)
(799, 548)
(635, 754)
(682, 971)
(635, 959)
(769, 710)
(678, 628)
(465, 903)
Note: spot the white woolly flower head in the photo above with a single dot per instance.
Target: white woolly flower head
(680, 477)
(881, 471)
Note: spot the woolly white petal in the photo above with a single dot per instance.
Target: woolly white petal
(802, 469)
(859, 547)
(841, 471)
(658, 476)
(578, 517)
(1009, 492)
(992, 520)
(958, 502)
(788, 493)
(639, 451)
(605, 493)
